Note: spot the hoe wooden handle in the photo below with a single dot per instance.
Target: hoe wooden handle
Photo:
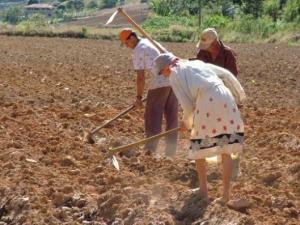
(129, 146)
(113, 119)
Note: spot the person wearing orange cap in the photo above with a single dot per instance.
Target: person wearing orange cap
(161, 100)
(212, 50)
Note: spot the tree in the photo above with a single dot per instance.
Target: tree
(13, 14)
(38, 21)
(282, 3)
(292, 11)
(272, 8)
(109, 3)
(227, 8)
(74, 4)
(78, 4)
(30, 2)
(253, 7)
(92, 4)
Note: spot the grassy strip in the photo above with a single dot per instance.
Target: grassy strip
(173, 29)
(244, 29)
(64, 32)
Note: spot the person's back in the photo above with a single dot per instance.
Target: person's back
(144, 54)
(200, 72)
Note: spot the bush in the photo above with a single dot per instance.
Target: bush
(182, 33)
(30, 2)
(262, 27)
(227, 8)
(253, 7)
(35, 22)
(156, 22)
(161, 7)
(272, 9)
(74, 4)
(171, 28)
(215, 21)
(291, 11)
(175, 7)
(13, 14)
(109, 3)
(92, 4)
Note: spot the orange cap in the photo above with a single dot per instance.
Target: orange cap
(124, 34)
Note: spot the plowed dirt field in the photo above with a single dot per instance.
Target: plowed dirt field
(54, 91)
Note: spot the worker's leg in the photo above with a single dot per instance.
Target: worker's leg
(201, 170)
(227, 171)
(154, 110)
(171, 115)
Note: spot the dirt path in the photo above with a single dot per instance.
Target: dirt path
(138, 12)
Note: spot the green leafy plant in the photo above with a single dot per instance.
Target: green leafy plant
(292, 11)
(13, 14)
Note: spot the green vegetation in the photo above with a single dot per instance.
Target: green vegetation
(174, 20)
(237, 21)
(13, 14)
(66, 9)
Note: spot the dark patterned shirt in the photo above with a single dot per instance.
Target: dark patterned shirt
(225, 59)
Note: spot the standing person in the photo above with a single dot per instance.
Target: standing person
(212, 50)
(210, 111)
(161, 100)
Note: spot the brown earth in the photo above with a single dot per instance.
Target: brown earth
(53, 91)
(138, 12)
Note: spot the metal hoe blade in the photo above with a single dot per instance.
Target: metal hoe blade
(111, 18)
(115, 162)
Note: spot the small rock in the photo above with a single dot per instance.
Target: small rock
(239, 205)
(271, 177)
(13, 114)
(30, 160)
(59, 199)
(130, 153)
(67, 189)
(80, 203)
(68, 161)
(64, 115)
(74, 172)
(8, 165)
(291, 212)
(295, 168)
(85, 108)
(99, 169)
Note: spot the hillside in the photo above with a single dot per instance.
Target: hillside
(138, 12)
(6, 3)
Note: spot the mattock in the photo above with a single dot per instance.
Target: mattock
(123, 148)
(89, 137)
(138, 27)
